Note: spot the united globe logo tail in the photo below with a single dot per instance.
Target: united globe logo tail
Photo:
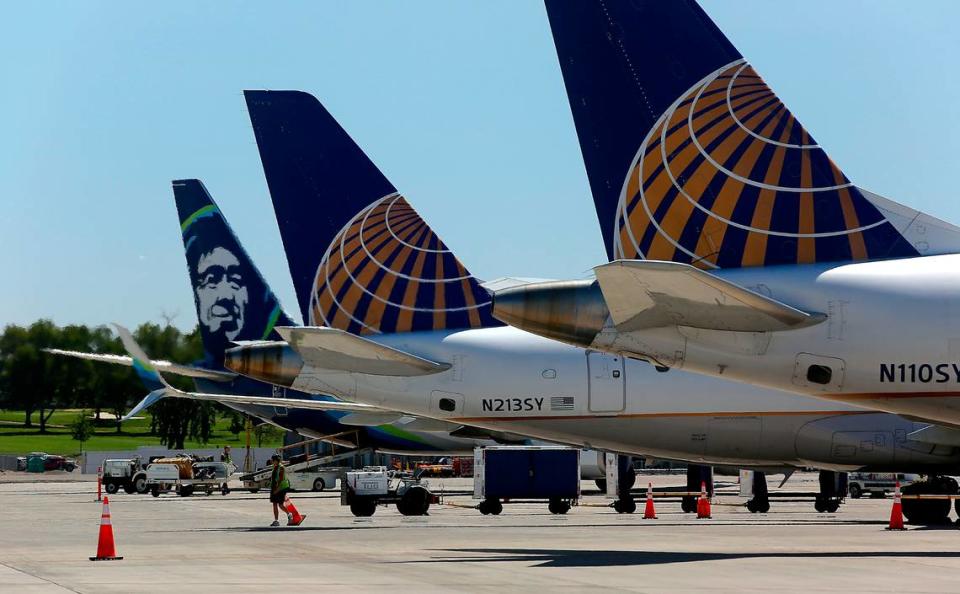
(693, 158)
(361, 258)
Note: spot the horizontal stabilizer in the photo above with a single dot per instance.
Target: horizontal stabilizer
(644, 294)
(162, 366)
(334, 349)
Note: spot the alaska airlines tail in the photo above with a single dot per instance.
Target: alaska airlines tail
(233, 300)
(692, 157)
(361, 258)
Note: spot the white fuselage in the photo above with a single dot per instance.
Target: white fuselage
(509, 380)
(891, 339)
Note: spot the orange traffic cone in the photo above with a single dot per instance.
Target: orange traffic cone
(648, 511)
(703, 504)
(896, 514)
(106, 550)
(294, 517)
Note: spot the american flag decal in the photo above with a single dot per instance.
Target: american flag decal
(561, 403)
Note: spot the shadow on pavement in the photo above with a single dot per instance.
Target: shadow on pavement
(587, 558)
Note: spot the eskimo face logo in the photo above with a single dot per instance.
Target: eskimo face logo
(727, 177)
(386, 271)
(221, 293)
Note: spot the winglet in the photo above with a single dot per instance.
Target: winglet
(147, 402)
(148, 374)
(141, 362)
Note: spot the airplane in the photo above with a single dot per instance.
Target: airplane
(235, 304)
(738, 249)
(394, 320)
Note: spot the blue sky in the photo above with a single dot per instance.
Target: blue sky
(460, 103)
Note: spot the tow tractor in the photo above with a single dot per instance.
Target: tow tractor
(129, 474)
(364, 490)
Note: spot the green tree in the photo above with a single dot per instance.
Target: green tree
(81, 428)
(267, 432)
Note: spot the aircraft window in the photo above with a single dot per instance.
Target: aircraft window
(549, 374)
(819, 374)
(616, 373)
(448, 404)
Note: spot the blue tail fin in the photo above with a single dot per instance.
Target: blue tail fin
(233, 300)
(693, 158)
(361, 258)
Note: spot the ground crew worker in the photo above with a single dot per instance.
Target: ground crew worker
(279, 486)
(225, 456)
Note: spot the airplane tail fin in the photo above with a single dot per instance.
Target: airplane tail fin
(693, 158)
(361, 258)
(233, 301)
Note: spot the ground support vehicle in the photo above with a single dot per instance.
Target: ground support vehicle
(509, 473)
(364, 490)
(123, 473)
(316, 476)
(876, 484)
(206, 476)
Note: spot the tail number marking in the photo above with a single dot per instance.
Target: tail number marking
(923, 373)
(512, 404)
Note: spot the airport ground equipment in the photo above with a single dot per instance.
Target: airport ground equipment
(363, 490)
(106, 547)
(313, 469)
(620, 477)
(876, 484)
(204, 476)
(128, 474)
(526, 472)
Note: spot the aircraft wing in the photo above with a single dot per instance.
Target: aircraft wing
(331, 348)
(328, 405)
(643, 294)
(162, 366)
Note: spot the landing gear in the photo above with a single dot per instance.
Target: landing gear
(760, 504)
(696, 475)
(490, 507)
(627, 477)
(833, 487)
(930, 512)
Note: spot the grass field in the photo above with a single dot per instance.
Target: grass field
(16, 439)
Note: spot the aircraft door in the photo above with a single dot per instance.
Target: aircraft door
(606, 382)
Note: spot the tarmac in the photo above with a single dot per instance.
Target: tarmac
(217, 543)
